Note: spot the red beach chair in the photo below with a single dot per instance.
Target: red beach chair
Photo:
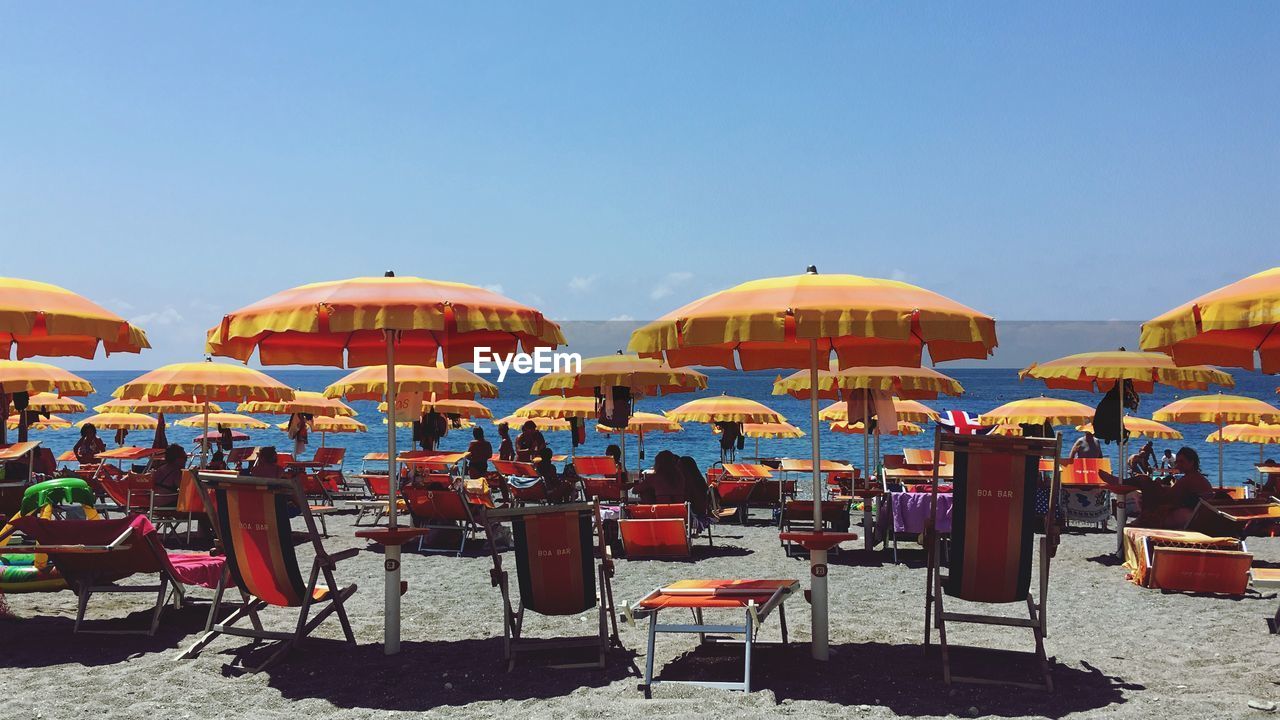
(522, 480)
(601, 478)
(441, 509)
(656, 531)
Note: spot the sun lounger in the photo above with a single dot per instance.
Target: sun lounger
(252, 524)
(656, 531)
(522, 481)
(755, 600)
(1202, 563)
(442, 509)
(992, 535)
(379, 502)
(557, 574)
(1235, 517)
(94, 555)
(601, 478)
(738, 487)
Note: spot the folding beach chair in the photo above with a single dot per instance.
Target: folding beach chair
(237, 457)
(441, 509)
(797, 515)
(990, 558)
(555, 548)
(94, 555)
(1229, 517)
(601, 478)
(522, 481)
(251, 519)
(755, 599)
(657, 531)
(379, 502)
(1084, 493)
(736, 486)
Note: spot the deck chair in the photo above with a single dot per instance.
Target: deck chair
(656, 531)
(251, 520)
(188, 505)
(756, 599)
(523, 483)
(601, 478)
(94, 555)
(379, 502)
(558, 574)
(1230, 517)
(441, 509)
(798, 515)
(992, 520)
(237, 457)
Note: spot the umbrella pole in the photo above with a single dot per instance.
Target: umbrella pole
(391, 559)
(866, 431)
(817, 558)
(1220, 444)
(204, 442)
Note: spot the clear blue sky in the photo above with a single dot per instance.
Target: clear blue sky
(1080, 160)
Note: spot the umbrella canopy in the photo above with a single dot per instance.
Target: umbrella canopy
(1142, 428)
(1219, 408)
(545, 424)
(1038, 410)
(909, 410)
(204, 382)
(53, 422)
(41, 319)
(1007, 430)
(371, 321)
(903, 382)
(304, 401)
(558, 407)
(149, 406)
(771, 430)
(51, 403)
(120, 421)
(904, 428)
(1099, 371)
(370, 383)
(226, 420)
(213, 436)
(643, 423)
(1228, 326)
(451, 406)
(325, 424)
(724, 408)
(644, 376)
(1265, 434)
(37, 377)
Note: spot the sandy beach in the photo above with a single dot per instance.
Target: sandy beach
(1121, 650)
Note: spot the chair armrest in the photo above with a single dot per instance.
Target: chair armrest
(343, 555)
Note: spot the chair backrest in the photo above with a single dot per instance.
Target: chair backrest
(993, 511)
(138, 554)
(661, 530)
(330, 456)
(555, 552)
(189, 497)
(661, 511)
(1079, 471)
(595, 465)
(436, 504)
(604, 488)
(252, 520)
(803, 509)
(735, 492)
(237, 456)
(379, 485)
(514, 468)
(926, 456)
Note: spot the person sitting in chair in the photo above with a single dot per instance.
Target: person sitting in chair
(267, 465)
(559, 489)
(89, 445)
(1169, 508)
(664, 484)
(168, 476)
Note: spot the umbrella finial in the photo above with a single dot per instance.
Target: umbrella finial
(811, 270)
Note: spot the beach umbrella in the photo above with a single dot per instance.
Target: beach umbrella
(545, 424)
(381, 321)
(1142, 428)
(1037, 411)
(1007, 430)
(370, 383)
(324, 425)
(461, 407)
(39, 319)
(641, 424)
(204, 383)
(27, 376)
(724, 408)
(1220, 410)
(48, 402)
(151, 407)
(231, 421)
(1228, 326)
(552, 406)
(1261, 435)
(769, 430)
(213, 436)
(304, 402)
(796, 322)
(914, 383)
(53, 422)
(904, 428)
(909, 410)
(120, 421)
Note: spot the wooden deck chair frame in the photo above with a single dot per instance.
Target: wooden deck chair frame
(466, 519)
(754, 614)
(278, 541)
(513, 616)
(965, 448)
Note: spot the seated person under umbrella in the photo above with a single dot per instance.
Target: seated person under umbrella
(1169, 507)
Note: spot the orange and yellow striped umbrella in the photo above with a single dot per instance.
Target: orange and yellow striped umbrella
(553, 406)
(120, 421)
(771, 430)
(231, 421)
(204, 382)
(1099, 371)
(335, 424)
(1225, 327)
(909, 410)
(149, 406)
(1007, 430)
(342, 323)
(1143, 428)
(1265, 434)
(1038, 410)
(642, 423)
(451, 406)
(37, 377)
(905, 382)
(41, 319)
(370, 383)
(304, 401)
(52, 403)
(53, 422)
(645, 377)
(1220, 409)
(857, 428)
(724, 408)
(545, 424)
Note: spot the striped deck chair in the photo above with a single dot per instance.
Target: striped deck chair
(94, 555)
(992, 532)
(442, 509)
(251, 519)
(601, 478)
(558, 574)
(656, 531)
